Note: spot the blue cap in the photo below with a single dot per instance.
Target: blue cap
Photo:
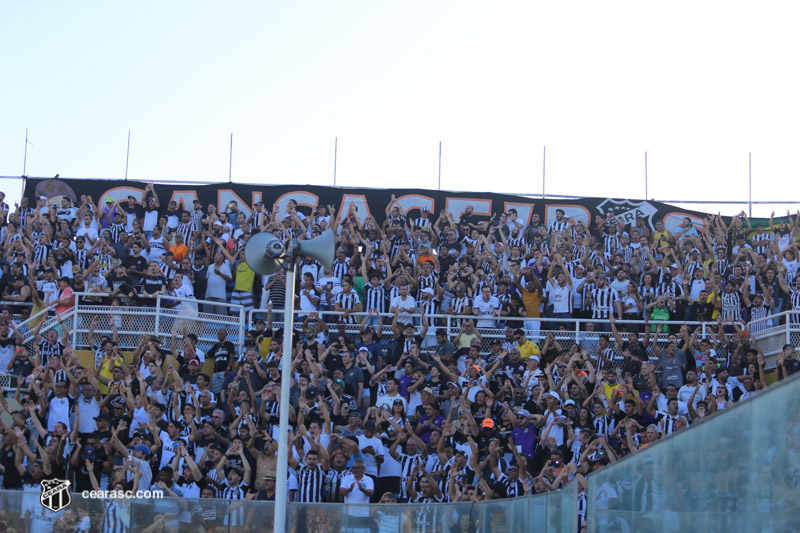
(142, 448)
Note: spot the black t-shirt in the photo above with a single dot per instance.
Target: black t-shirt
(151, 285)
(703, 312)
(22, 366)
(11, 478)
(222, 354)
(124, 284)
(136, 266)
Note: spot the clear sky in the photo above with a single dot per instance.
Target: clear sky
(698, 85)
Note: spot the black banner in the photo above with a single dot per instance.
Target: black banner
(369, 202)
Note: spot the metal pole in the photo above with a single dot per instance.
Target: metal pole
(128, 155)
(230, 162)
(544, 162)
(282, 473)
(750, 183)
(25, 158)
(646, 195)
(335, 155)
(440, 165)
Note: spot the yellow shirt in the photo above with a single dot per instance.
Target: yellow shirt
(465, 339)
(532, 302)
(528, 349)
(661, 239)
(105, 371)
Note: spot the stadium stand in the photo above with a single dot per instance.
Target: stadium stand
(442, 360)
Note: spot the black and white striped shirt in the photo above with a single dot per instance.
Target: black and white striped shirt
(376, 298)
(116, 516)
(757, 313)
(627, 254)
(672, 289)
(309, 482)
(731, 306)
(40, 252)
(82, 258)
(586, 291)
(340, 269)
(332, 484)
(348, 302)
(602, 425)
(669, 424)
(610, 243)
(407, 465)
(24, 213)
(115, 230)
(459, 305)
(425, 282)
(234, 493)
(186, 230)
(558, 226)
(603, 302)
(431, 307)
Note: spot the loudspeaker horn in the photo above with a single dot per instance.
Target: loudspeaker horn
(322, 248)
(262, 253)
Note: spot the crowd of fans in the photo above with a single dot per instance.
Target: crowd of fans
(389, 402)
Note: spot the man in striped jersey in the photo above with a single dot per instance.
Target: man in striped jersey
(604, 302)
(758, 308)
(415, 455)
(347, 302)
(311, 473)
(559, 224)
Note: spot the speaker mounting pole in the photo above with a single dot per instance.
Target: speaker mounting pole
(266, 254)
(282, 471)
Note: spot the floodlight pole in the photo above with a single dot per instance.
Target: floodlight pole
(282, 471)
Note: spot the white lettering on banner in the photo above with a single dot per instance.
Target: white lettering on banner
(578, 212)
(185, 199)
(357, 200)
(480, 206)
(415, 201)
(628, 210)
(226, 196)
(524, 212)
(303, 198)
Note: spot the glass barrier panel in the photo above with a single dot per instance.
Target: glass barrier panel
(737, 471)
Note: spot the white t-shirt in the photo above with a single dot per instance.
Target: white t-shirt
(485, 309)
(560, 296)
(405, 306)
(356, 497)
(369, 461)
(216, 283)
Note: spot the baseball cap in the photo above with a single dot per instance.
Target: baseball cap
(555, 395)
(569, 402)
(142, 448)
(452, 384)
(487, 423)
(369, 425)
(428, 290)
(523, 412)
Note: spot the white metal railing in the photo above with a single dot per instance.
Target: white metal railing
(131, 323)
(775, 331)
(451, 323)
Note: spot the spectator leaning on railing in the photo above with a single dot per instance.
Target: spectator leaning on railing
(412, 416)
